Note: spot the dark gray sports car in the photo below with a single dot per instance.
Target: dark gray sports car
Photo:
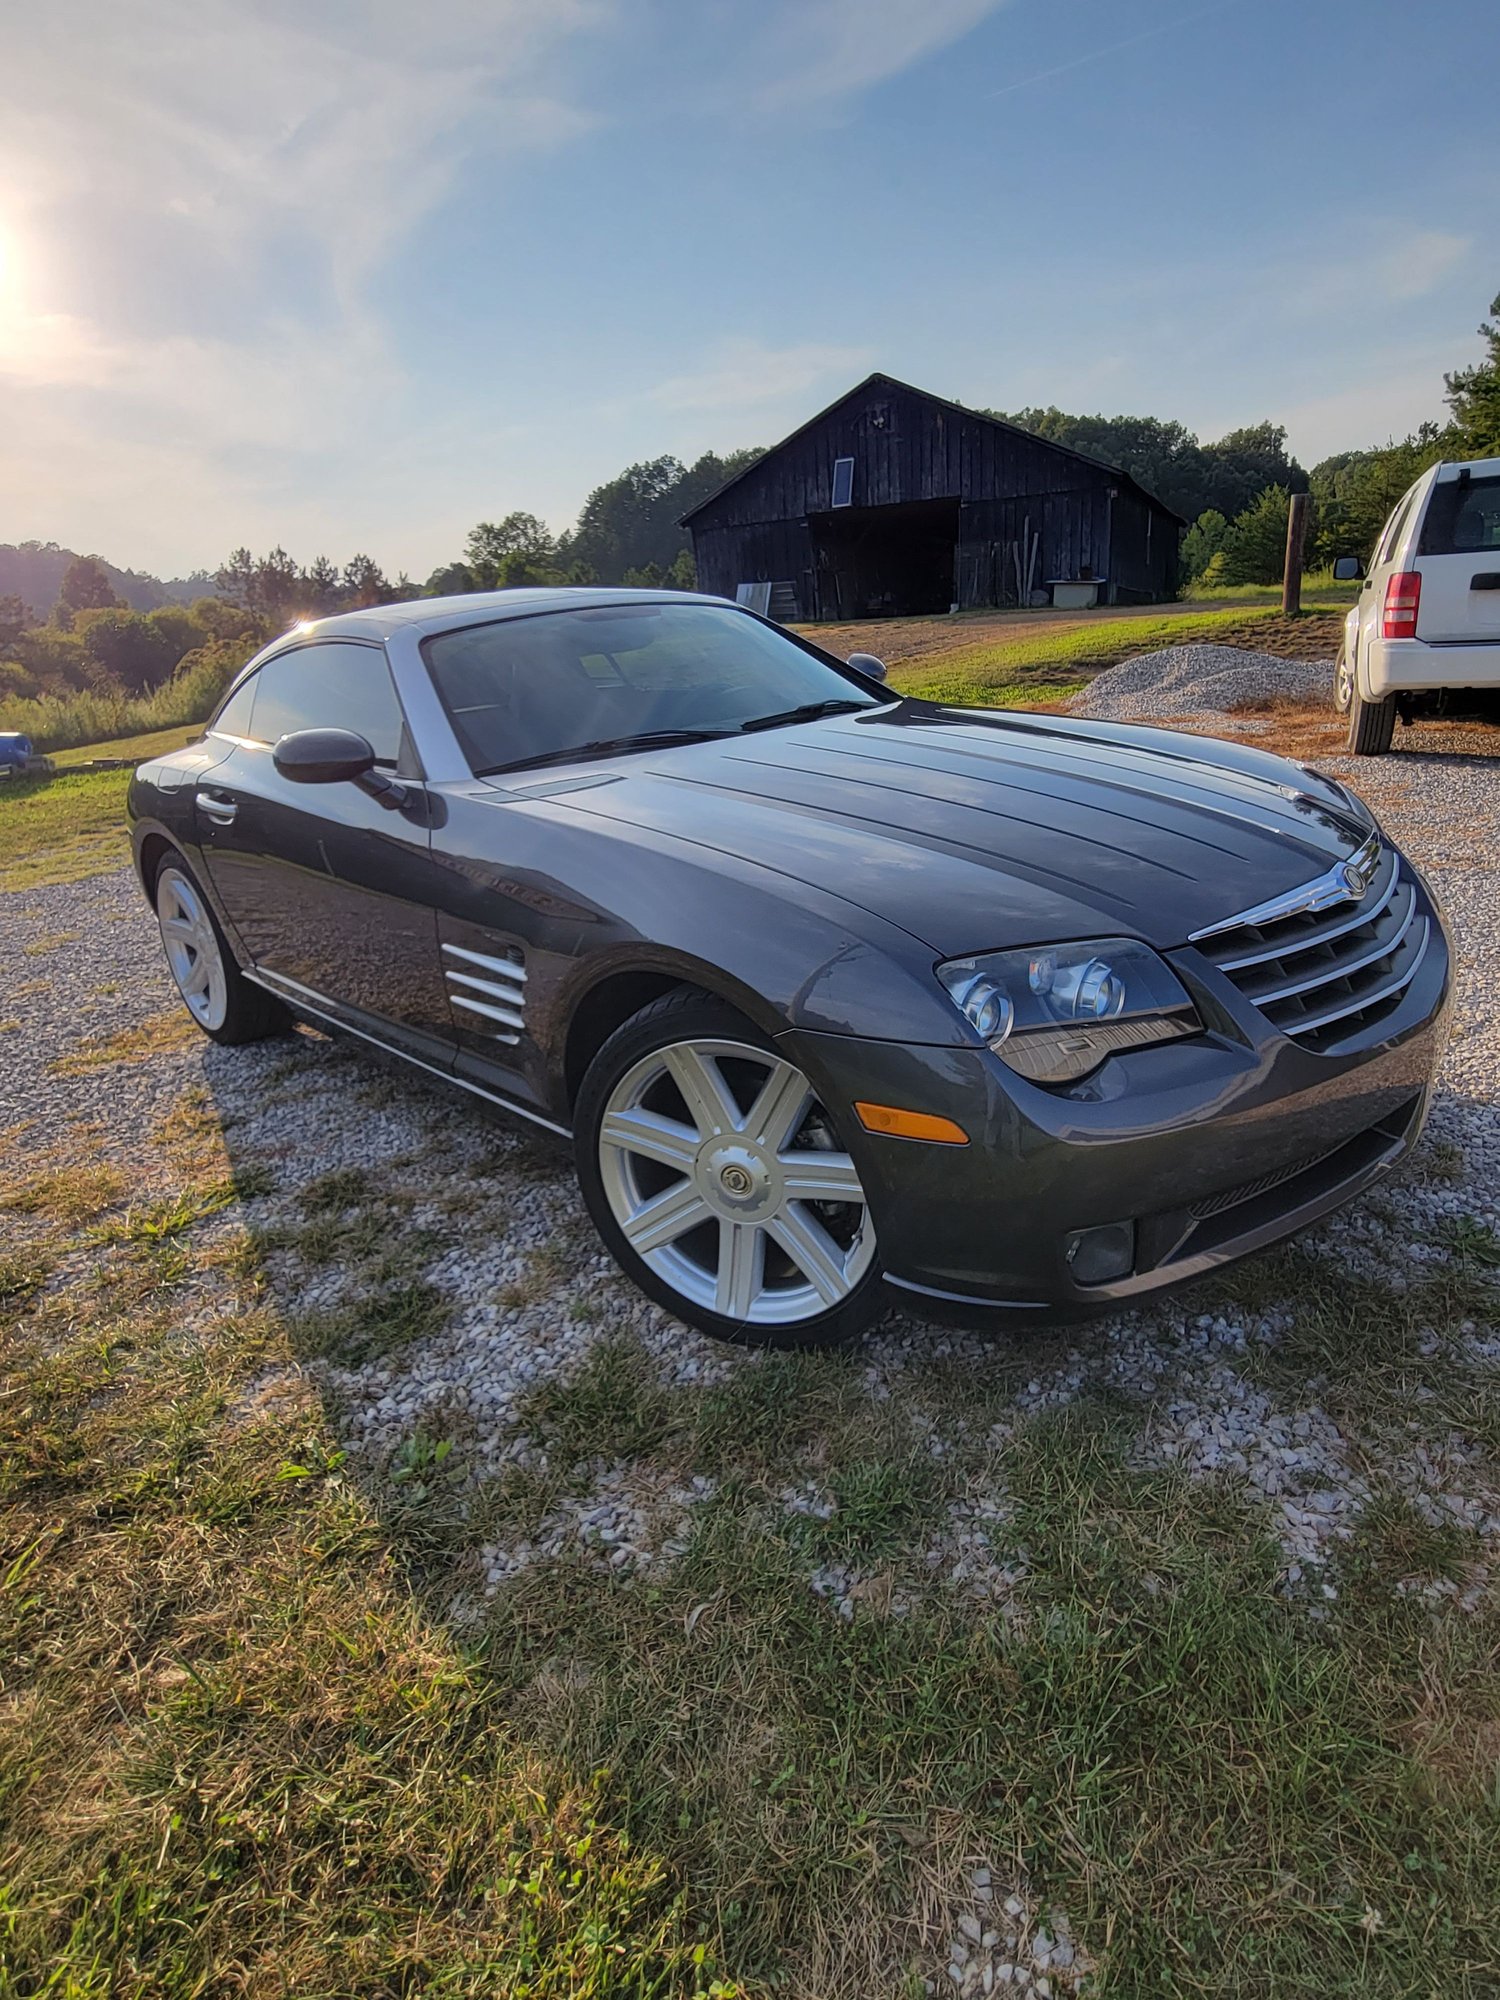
(834, 991)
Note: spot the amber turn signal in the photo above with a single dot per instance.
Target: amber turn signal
(892, 1123)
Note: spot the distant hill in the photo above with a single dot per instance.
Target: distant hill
(34, 572)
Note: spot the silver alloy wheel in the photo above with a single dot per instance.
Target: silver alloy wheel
(745, 1206)
(192, 949)
(1343, 684)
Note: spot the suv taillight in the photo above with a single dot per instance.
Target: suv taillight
(1403, 593)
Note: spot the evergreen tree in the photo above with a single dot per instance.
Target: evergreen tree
(1202, 542)
(1474, 395)
(1255, 545)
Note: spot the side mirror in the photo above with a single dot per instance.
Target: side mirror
(1347, 569)
(334, 757)
(867, 664)
(323, 757)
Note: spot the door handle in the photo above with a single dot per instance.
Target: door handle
(1487, 579)
(220, 810)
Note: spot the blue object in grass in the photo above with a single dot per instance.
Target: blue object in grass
(15, 749)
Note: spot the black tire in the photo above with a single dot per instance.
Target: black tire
(1372, 724)
(690, 1016)
(233, 1010)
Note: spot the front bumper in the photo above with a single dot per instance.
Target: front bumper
(1213, 1148)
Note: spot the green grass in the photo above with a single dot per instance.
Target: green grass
(67, 828)
(235, 1752)
(62, 829)
(1015, 667)
(153, 743)
(1319, 593)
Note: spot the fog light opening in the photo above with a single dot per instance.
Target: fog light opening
(1095, 1256)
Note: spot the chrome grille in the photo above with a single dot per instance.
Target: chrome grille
(494, 989)
(1327, 962)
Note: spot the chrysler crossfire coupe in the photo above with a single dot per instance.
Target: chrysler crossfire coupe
(842, 997)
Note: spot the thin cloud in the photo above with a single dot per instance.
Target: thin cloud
(1112, 48)
(837, 48)
(744, 375)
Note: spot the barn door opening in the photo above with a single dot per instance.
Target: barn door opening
(886, 562)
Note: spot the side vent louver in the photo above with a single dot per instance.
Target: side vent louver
(493, 988)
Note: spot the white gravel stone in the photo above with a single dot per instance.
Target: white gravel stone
(1198, 680)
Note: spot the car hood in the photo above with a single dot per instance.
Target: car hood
(975, 830)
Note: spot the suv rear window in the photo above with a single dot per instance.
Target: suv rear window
(1463, 518)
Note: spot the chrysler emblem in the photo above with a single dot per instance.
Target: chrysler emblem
(1355, 878)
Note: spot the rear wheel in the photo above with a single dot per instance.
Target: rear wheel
(1371, 724)
(719, 1183)
(213, 989)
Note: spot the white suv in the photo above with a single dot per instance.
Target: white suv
(1427, 624)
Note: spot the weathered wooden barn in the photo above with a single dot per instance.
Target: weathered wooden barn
(894, 502)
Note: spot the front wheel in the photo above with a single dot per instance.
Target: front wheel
(215, 992)
(719, 1182)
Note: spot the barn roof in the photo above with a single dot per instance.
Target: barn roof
(959, 409)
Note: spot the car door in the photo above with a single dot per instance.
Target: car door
(330, 892)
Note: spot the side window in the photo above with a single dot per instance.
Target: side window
(330, 686)
(233, 719)
(1392, 533)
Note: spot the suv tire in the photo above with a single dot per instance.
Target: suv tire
(1371, 725)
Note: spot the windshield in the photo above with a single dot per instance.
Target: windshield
(529, 690)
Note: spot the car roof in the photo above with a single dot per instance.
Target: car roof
(426, 615)
(1454, 468)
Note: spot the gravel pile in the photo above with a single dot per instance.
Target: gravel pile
(1198, 680)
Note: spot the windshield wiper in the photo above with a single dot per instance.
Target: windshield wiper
(808, 712)
(607, 746)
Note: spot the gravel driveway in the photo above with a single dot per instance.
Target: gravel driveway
(512, 1288)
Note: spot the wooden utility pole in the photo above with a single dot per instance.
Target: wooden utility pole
(1296, 535)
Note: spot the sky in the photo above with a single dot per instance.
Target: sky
(352, 274)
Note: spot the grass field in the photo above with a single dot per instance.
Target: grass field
(67, 828)
(62, 829)
(1319, 593)
(1020, 671)
(154, 743)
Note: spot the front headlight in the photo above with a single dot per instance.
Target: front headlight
(1055, 1012)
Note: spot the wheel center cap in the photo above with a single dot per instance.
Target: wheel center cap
(737, 1180)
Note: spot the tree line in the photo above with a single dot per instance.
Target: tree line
(1351, 493)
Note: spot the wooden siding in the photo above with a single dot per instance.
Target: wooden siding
(906, 447)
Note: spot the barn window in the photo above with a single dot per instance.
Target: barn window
(843, 482)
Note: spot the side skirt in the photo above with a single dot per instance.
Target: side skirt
(302, 1001)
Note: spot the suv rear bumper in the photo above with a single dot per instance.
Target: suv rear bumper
(1397, 666)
